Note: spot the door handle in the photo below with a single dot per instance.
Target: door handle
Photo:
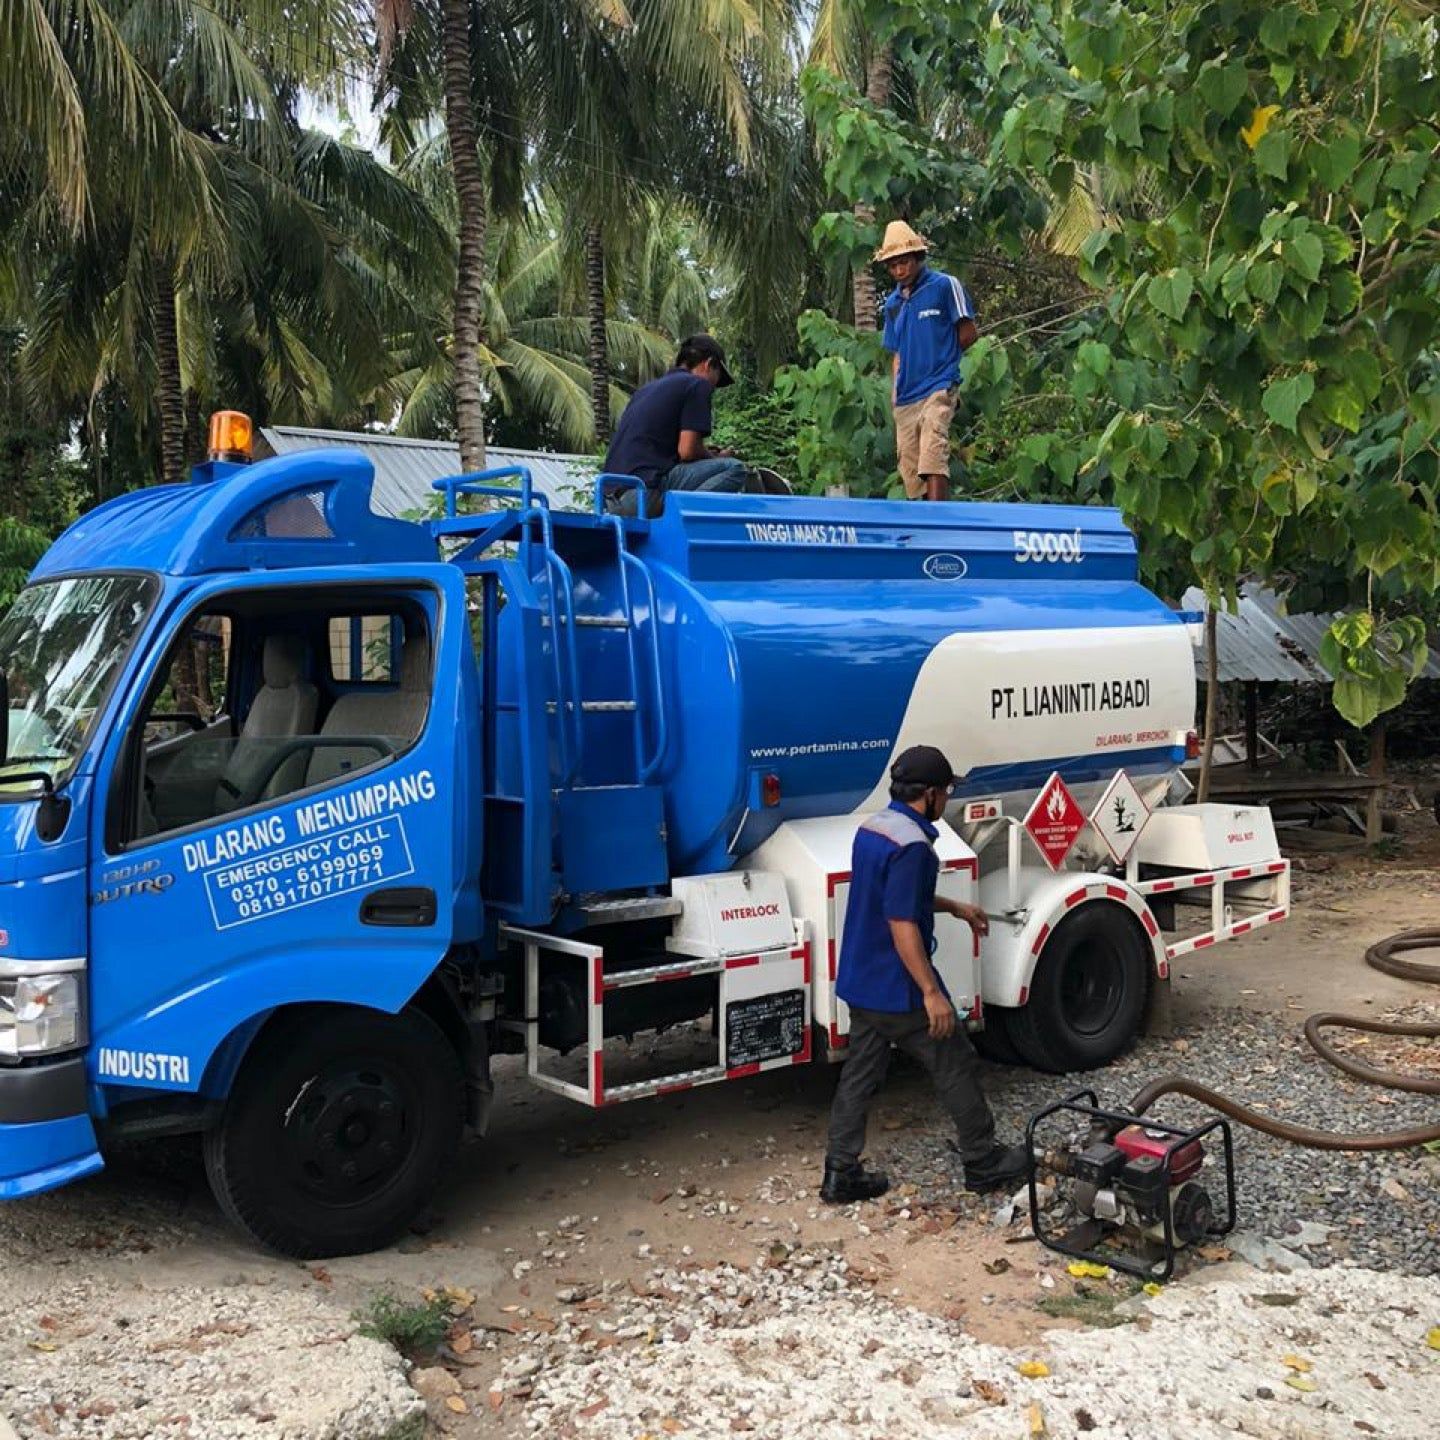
(406, 905)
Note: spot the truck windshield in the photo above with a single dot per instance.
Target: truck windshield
(62, 645)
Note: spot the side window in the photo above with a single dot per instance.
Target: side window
(365, 648)
(263, 701)
(193, 696)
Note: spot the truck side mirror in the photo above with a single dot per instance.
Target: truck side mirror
(52, 816)
(4, 715)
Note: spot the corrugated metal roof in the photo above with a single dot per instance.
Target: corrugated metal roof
(1262, 642)
(405, 468)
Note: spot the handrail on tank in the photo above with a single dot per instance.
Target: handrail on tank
(616, 482)
(475, 483)
(537, 507)
(567, 715)
(662, 737)
(632, 663)
(567, 585)
(504, 574)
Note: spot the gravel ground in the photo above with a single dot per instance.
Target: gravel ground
(792, 1347)
(1382, 1210)
(96, 1359)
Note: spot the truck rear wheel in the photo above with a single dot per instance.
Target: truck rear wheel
(1087, 997)
(337, 1130)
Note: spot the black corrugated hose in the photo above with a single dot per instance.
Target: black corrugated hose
(1381, 956)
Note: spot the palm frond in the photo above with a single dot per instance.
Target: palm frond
(40, 101)
(557, 389)
(206, 72)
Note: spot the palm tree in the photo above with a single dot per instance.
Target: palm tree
(78, 111)
(283, 304)
(644, 100)
(463, 133)
(606, 92)
(184, 141)
(840, 43)
(533, 360)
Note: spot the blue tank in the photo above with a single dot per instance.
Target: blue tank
(803, 641)
(657, 696)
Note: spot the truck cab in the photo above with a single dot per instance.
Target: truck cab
(232, 790)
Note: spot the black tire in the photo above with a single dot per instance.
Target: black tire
(1088, 994)
(307, 1160)
(994, 1042)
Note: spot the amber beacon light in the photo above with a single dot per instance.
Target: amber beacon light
(232, 436)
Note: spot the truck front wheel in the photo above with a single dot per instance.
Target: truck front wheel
(337, 1130)
(1087, 996)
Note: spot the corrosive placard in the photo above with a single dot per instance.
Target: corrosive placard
(1120, 815)
(1054, 821)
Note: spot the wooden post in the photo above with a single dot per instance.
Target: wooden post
(1374, 830)
(1252, 724)
(1212, 689)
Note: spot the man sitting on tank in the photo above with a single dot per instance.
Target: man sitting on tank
(661, 434)
(895, 994)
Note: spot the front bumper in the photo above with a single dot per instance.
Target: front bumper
(47, 1138)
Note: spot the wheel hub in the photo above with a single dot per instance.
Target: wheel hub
(1091, 989)
(346, 1133)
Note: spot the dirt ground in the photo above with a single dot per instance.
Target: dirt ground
(559, 1199)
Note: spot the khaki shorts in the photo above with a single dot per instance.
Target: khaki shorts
(922, 437)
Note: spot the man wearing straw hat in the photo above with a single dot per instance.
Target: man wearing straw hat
(929, 324)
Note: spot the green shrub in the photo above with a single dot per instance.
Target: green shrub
(411, 1326)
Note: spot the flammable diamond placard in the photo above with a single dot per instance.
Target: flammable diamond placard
(1054, 821)
(1120, 815)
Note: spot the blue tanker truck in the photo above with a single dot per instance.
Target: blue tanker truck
(308, 814)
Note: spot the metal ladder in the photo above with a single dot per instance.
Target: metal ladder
(538, 579)
(571, 708)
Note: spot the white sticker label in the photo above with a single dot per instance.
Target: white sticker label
(331, 864)
(1038, 546)
(782, 532)
(145, 1065)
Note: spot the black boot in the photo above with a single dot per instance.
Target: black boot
(1004, 1165)
(848, 1181)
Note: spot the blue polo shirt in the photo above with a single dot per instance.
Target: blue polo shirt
(647, 439)
(920, 329)
(893, 870)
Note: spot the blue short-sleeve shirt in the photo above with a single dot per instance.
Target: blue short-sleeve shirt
(893, 870)
(920, 329)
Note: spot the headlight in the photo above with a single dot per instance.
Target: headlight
(38, 1013)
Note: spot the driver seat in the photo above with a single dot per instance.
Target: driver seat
(284, 706)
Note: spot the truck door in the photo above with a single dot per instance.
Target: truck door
(281, 817)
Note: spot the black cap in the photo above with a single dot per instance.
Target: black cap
(922, 765)
(705, 347)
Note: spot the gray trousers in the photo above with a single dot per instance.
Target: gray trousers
(952, 1065)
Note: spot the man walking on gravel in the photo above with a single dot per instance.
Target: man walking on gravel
(895, 995)
(929, 324)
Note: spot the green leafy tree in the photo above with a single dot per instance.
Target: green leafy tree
(1246, 364)
(1274, 302)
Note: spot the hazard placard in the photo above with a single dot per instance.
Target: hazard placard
(1120, 815)
(1054, 821)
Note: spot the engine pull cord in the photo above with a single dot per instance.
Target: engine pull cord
(1380, 956)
